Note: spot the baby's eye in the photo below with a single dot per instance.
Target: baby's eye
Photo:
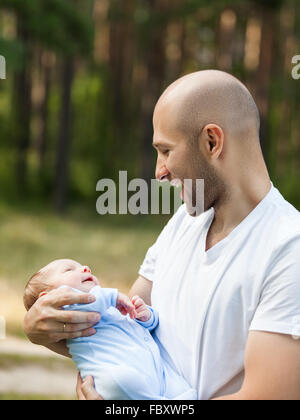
(68, 269)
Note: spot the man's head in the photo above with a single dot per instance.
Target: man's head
(58, 273)
(206, 126)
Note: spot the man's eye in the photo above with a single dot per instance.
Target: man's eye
(165, 152)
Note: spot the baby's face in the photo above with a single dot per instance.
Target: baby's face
(71, 273)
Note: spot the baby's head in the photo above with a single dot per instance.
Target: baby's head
(58, 273)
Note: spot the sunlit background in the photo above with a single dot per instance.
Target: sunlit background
(83, 77)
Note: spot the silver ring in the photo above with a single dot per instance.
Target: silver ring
(64, 328)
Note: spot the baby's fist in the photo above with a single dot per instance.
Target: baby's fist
(125, 306)
(142, 310)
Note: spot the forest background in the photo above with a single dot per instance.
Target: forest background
(82, 80)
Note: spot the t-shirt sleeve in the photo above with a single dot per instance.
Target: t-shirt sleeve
(147, 268)
(279, 307)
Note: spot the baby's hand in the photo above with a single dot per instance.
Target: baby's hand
(143, 312)
(125, 306)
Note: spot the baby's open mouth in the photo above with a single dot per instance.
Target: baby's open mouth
(88, 280)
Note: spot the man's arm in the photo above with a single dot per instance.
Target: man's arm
(272, 368)
(143, 288)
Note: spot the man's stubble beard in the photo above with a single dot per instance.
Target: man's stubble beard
(214, 186)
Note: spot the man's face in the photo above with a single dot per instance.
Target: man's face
(180, 158)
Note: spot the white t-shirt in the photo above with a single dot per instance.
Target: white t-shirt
(209, 301)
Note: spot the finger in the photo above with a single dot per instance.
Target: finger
(144, 313)
(61, 297)
(124, 299)
(123, 311)
(133, 314)
(76, 317)
(136, 298)
(78, 388)
(139, 302)
(57, 337)
(71, 328)
(130, 309)
(88, 390)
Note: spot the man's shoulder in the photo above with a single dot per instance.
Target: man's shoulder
(285, 222)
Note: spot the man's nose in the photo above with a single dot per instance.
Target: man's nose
(86, 269)
(161, 172)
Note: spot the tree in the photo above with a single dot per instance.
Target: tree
(64, 139)
(58, 25)
(268, 10)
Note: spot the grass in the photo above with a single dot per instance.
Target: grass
(113, 246)
(8, 361)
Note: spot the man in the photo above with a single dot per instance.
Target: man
(226, 282)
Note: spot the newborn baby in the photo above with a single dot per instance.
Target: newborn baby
(122, 356)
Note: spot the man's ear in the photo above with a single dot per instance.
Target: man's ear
(214, 137)
(42, 294)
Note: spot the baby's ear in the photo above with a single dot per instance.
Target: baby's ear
(42, 294)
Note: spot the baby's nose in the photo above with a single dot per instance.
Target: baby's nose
(87, 269)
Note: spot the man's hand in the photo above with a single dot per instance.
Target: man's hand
(46, 323)
(125, 306)
(143, 312)
(86, 390)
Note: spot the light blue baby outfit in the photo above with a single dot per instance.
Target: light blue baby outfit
(123, 357)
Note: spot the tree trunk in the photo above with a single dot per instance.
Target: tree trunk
(22, 106)
(155, 67)
(226, 30)
(264, 72)
(121, 64)
(44, 113)
(64, 139)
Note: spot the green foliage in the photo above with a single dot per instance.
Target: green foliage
(109, 97)
(271, 4)
(13, 51)
(56, 24)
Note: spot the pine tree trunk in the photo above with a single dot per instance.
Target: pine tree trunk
(22, 108)
(155, 66)
(121, 63)
(44, 113)
(264, 73)
(64, 139)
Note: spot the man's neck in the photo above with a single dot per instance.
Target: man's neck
(231, 209)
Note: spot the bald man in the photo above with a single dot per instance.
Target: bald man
(226, 281)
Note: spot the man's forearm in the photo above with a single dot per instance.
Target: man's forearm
(230, 397)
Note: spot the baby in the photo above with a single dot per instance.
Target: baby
(122, 356)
